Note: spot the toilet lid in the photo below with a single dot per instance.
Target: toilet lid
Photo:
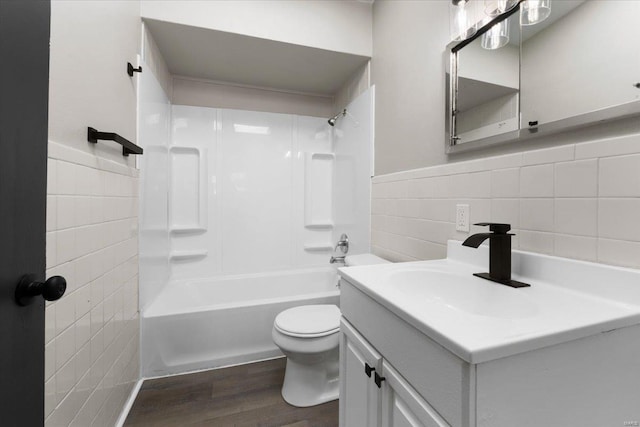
(309, 320)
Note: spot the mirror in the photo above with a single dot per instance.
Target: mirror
(578, 66)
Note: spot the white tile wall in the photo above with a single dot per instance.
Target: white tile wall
(91, 334)
(578, 200)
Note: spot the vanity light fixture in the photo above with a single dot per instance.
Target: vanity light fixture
(534, 11)
(496, 7)
(496, 37)
(462, 19)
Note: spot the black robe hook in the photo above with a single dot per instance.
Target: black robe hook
(131, 70)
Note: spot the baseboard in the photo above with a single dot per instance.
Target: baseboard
(127, 406)
(195, 371)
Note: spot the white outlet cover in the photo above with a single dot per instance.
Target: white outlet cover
(462, 218)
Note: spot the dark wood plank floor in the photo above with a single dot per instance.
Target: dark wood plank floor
(240, 396)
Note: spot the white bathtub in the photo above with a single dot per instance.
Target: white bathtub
(205, 324)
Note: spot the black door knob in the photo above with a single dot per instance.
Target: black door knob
(29, 287)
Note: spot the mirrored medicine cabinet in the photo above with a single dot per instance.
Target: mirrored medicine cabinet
(510, 81)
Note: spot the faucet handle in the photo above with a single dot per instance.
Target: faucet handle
(495, 227)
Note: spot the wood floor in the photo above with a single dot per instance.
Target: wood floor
(240, 396)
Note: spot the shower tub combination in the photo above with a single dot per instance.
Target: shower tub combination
(203, 324)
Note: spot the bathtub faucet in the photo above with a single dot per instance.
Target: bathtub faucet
(343, 244)
(335, 259)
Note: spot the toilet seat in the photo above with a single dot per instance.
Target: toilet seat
(309, 321)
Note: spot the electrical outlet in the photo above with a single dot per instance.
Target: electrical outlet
(462, 218)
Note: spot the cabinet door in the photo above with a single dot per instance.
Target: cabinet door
(359, 396)
(402, 406)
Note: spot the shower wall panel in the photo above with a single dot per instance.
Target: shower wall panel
(154, 116)
(237, 192)
(257, 191)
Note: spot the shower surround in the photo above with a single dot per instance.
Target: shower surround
(239, 214)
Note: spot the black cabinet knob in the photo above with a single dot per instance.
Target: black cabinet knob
(368, 369)
(29, 287)
(378, 380)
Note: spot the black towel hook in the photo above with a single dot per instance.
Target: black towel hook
(131, 70)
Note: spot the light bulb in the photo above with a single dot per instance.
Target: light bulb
(534, 11)
(496, 37)
(462, 24)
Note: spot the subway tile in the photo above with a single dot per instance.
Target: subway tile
(618, 219)
(66, 212)
(50, 396)
(421, 188)
(536, 181)
(378, 207)
(629, 144)
(536, 242)
(51, 249)
(503, 162)
(619, 176)
(83, 361)
(49, 360)
(398, 190)
(84, 176)
(83, 211)
(52, 176)
(506, 211)
(536, 214)
(65, 312)
(576, 216)
(64, 413)
(97, 318)
(432, 231)
(65, 347)
(576, 179)
(65, 245)
(619, 252)
(471, 185)
(66, 178)
(442, 187)
(562, 153)
(437, 209)
(52, 218)
(576, 247)
(96, 206)
(83, 331)
(505, 183)
(49, 322)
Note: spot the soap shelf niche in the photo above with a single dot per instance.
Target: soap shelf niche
(319, 226)
(177, 230)
(318, 188)
(320, 247)
(188, 255)
(188, 195)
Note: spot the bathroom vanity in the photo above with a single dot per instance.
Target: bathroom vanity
(428, 344)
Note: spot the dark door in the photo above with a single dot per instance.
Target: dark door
(24, 87)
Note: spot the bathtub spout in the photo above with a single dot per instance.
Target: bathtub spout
(335, 259)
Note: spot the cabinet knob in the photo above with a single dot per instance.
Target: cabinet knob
(368, 369)
(378, 380)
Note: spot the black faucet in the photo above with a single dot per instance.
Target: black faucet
(499, 253)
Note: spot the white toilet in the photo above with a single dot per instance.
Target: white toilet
(309, 336)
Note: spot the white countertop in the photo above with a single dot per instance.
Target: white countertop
(479, 320)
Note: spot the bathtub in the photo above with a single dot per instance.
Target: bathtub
(203, 324)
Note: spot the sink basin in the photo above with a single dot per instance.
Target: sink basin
(479, 320)
(462, 292)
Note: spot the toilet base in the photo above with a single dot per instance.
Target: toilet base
(310, 384)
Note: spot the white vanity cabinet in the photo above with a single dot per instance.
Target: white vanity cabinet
(591, 381)
(372, 393)
(359, 396)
